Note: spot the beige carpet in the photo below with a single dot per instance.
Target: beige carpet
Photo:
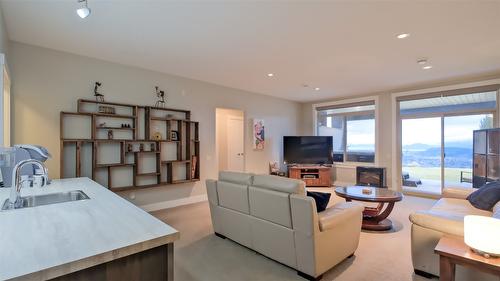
(200, 255)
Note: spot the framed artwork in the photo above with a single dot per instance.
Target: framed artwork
(258, 134)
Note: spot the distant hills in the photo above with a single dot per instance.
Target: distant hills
(458, 155)
(450, 144)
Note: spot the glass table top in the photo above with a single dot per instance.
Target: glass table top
(376, 193)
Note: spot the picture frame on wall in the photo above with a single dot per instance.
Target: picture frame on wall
(258, 134)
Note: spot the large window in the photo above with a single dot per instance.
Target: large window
(352, 127)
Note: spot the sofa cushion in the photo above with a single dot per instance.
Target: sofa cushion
(457, 192)
(270, 205)
(457, 207)
(321, 199)
(447, 216)
(236, 177)
(280, 184)
(233, 196)
(486, 196)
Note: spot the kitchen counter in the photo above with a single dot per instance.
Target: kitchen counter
(49, 241)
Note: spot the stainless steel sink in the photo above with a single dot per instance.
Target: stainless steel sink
(48, 199)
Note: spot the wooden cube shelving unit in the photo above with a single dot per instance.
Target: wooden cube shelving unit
(132, 158)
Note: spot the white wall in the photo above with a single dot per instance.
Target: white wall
(46, 82)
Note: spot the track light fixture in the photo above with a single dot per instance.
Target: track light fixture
(84, 11)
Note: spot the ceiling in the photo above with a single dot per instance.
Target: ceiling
(343, 47)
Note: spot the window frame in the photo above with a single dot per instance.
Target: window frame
(455, 89)
(348, 103)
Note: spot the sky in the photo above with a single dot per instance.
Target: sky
(428, 130)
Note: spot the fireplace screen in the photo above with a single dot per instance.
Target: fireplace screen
(370, 176)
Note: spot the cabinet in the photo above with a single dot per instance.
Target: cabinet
(311, 175)
(486, 157)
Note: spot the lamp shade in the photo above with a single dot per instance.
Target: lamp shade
(482, 234)
(83, 12)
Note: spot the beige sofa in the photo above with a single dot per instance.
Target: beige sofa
(273, 216)
(445, 217)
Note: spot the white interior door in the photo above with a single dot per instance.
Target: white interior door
(235, 144)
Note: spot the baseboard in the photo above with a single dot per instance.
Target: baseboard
(174, 203)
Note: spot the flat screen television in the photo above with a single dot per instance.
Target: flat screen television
(308, 150)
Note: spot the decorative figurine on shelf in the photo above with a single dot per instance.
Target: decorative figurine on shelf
(194, 161)
(157, 136)
(110, 134)
(141, 147)
(274, 169)
(98, 96)
(174, 135)
(161, 97)
(106, 109)
(153, 146)
(129, 147)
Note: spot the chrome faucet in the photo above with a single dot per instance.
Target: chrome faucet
(15, 192)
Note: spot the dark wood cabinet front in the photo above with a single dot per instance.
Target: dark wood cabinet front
(486, 157)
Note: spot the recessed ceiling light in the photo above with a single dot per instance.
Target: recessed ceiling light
(270, 74)
(84, 11)
(316, 89)
(422, 61)
(403, 35)
(427, 67)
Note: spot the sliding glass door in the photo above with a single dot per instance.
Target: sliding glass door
(458, 143)
(437, 151)
(437, 138)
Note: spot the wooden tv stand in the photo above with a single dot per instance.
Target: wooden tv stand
(311, 175)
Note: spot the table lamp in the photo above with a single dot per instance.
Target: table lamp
(482, 234)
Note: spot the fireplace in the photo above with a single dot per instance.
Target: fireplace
(371, 176)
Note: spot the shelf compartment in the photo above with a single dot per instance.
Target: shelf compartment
(175, 161)
(114, 128)
(113, 165)
(147, 174)
(115, 115)
(169, 119)
(143, 152)
(76, 126)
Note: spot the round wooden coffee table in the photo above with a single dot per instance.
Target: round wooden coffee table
(374, 218)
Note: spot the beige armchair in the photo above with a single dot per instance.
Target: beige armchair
(273, 216)
(445, 217)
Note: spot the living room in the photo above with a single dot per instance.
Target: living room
(385, 111)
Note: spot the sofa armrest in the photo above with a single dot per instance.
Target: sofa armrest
(212, 192)
(457, 192)
(340, 213)
(447, 224)
(304, 215)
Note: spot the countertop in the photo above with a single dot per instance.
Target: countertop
(48, 241)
